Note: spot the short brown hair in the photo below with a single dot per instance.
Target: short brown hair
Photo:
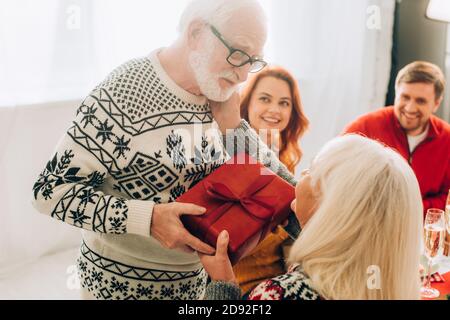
(423, 72)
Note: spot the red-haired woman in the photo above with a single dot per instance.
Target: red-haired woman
(271, 103)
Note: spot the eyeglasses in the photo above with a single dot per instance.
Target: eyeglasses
(238, 58)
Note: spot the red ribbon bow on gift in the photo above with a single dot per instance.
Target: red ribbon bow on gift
(260, 207)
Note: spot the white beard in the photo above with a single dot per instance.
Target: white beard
(207, 81)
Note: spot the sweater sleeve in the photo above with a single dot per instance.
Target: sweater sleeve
(356, 126)
(93, 148)
(245, 139)
(220, 290)
(438, 200)
(266, 290)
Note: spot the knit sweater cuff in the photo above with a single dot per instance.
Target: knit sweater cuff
(139, 217)
(220, 290)
(245, 139)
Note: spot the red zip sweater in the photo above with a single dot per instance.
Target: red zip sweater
(430, 160)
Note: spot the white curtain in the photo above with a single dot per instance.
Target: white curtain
(58, 50)
(340, 50)
(55, 50)
(446, 104)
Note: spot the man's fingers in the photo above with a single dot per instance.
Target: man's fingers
(202, 255)
(198, 245)
(235, 99)
(186, 249)
(293, 205)
(222, 244)
(190, 208)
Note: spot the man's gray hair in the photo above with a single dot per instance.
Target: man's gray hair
(216, 12)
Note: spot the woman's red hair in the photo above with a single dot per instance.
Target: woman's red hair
(290, 151)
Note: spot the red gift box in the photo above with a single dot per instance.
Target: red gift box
(242, 197)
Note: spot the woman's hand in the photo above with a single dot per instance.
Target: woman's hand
(219, 266)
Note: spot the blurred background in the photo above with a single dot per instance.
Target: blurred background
(344, 53)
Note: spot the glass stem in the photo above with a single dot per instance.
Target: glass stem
(428, 283)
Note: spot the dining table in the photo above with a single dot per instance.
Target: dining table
(443, 263)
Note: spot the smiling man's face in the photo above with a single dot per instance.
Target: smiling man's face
(414, 105)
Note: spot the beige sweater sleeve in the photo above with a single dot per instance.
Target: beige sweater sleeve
(67, 189)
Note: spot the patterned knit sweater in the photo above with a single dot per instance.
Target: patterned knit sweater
(138, 139)
(293, 285)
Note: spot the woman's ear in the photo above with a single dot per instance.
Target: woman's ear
(194, 33)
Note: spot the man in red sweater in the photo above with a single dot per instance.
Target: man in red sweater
(411, 128)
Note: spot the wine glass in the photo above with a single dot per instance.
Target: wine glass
(434, 233)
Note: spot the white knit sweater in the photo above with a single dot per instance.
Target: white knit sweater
(138, 139)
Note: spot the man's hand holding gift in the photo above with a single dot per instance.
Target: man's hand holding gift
(168, 229)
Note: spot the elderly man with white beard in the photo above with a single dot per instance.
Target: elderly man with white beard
(130, 153)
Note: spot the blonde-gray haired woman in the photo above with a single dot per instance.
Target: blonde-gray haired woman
(361, 211)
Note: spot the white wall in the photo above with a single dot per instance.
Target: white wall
(341, 53)
(29, 135)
